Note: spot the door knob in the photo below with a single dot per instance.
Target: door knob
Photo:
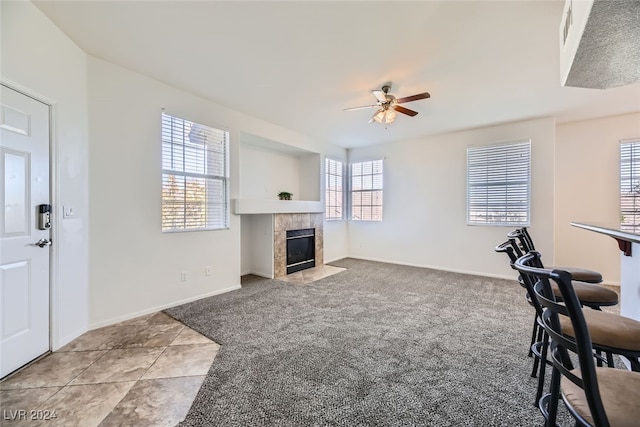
(43, 242)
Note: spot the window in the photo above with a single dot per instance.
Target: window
(334, 180)
(195, 173)
(499, 184)
(366, 191)
(630, 186)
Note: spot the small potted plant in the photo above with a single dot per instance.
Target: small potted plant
(284, 195)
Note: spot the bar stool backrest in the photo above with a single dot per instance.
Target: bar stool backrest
(529, 265)
(524, 239)
(510, 247)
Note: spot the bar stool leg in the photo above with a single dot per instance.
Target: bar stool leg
(543, 367)
(534, 334)
(552, 407)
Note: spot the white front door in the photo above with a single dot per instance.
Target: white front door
(24, 264)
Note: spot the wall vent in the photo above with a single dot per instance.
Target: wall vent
(568, 21)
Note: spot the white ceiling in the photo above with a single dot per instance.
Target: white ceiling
(299, 64)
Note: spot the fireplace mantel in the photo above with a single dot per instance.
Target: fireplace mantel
(269, 206)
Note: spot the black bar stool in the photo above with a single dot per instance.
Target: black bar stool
(595, 396)
(577, 274)
(589, 295)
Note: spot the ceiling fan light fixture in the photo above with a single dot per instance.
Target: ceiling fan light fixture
(379, 116)
(390, 117)
(385, 115)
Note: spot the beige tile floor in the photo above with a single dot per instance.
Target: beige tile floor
(309, 275)
(142, 372)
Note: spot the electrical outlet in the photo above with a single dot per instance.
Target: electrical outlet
(184, 276)
(207, 270)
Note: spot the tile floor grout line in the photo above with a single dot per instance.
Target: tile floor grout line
(117, 403)
(88, 366)
(153, 363)
(171, 378)
(181, 330)
(41, 406)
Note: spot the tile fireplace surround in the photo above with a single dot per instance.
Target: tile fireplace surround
(295, 221)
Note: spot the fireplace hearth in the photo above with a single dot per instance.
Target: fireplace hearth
(301, 252)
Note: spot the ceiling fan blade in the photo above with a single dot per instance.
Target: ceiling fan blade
(382, 97)
(406, 111)
(413, 98)
(360, 108)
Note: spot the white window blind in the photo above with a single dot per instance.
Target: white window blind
(630, 186)
(334, 183)
(195, 173)
(366, 191)
(499, 184)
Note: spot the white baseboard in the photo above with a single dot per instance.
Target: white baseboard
(150, 310)
(334, 259)
(432, 267)
(261, 274)
(455, 270)
(62, 341)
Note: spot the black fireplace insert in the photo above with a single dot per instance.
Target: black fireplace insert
(301, 249)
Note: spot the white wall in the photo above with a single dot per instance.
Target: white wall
(269, 168)
(588, 190)
(335, 232)
(335, 241)
(135, 268)
(257, 245)
(310, 167)
(40, 59)
(265, 172)
(425, 202)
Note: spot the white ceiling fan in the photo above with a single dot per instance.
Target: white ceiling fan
(388, 107)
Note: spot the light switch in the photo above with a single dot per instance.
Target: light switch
(68, 212)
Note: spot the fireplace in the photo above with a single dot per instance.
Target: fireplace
(284, 222)
(301, 253)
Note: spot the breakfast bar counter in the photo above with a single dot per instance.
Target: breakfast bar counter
(629, 244)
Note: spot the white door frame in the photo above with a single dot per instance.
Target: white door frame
(54, 339)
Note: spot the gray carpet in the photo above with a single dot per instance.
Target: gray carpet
(376, 345)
